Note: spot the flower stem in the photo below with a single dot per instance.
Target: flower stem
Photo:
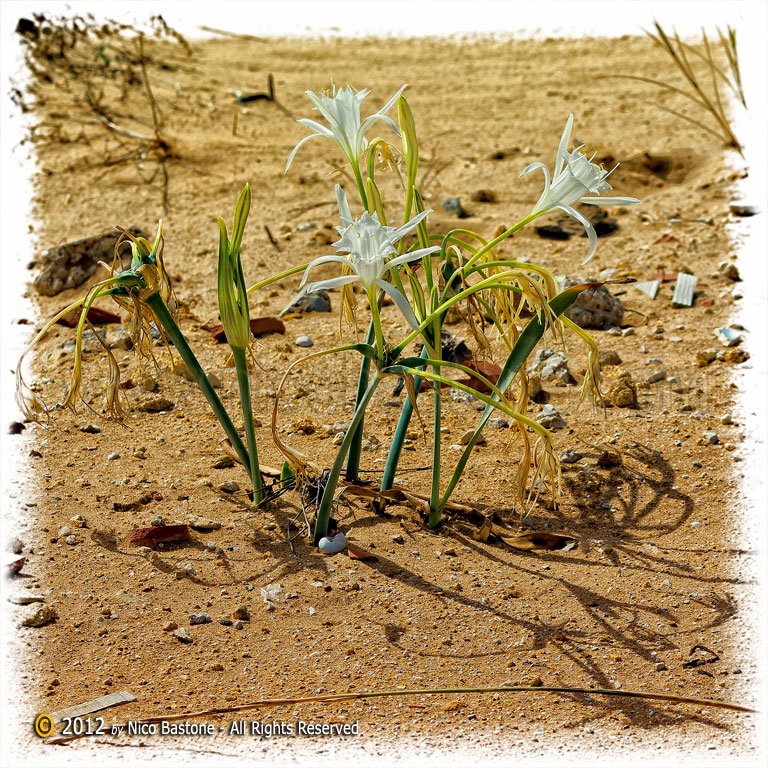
(353, 464)
(437, 399)
(243, 381)
(164, 317)
(396, 448)
(326, 503)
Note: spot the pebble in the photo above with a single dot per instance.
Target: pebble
(182, 635)
(609, 357)
(91, 429)
(570, 456)
(155, 404)
(729, 337)
(595, 307)
(25, 599)
(170, 626)
(199, 618)
(453, 206)
(303, 341)
(113, 456)
(398, 539)
(656, 376)
(467, 436)
(499, 423)
(730, 271)
(78, 521)
(733, 355)
(705, 357)
(551, 365)
(186, 571)
(712, 438)
(71, 539)
(226, 622)
(483, 196)
(242, 613)
(239, 624)
(550, 418)
(41, 617)
(316, 301)
(338, 438)
(121, 339)
(158, 521)
(622, 392)
(230, 486)
(16, 546)
(741, 208)
(203, 524)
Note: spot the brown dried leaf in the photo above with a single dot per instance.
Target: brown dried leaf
(538, 540)
(484, 531)
(355, 553)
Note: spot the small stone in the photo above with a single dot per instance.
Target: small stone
(91, 429)
(743, 209)
(655, 377)
(155, 404)
(199, 618)
(570, 456)
(242, 613)
(303, 341)
(705, 357)
(483, 196)
(311, 611)
(712, 438)
(170, 626)
(182, 635)
(239, 624)
(661, 666)
(609, 357)
(216, 668)
(453, 206)
(399, 538)
(551, 365)
(730, 271)
(230, 486)
(338, 438)
(733, 355)
(550, 418)
(467, 436)
(121, 339)
(113, 456)
(696, 523)
(158, 521)
(499, 423)
(316, 301)
(622, 392)
(41, 617)
(186, 571)
(729, 337)
(71, 540)
(16, 546)
(226, 622)
(203, 524)
(224, 462)
(595, 307)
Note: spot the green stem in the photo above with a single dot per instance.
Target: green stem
(437, 399)
(396, 448)
(353, 465)
(243, 381)
(164, 317)
(326, 503)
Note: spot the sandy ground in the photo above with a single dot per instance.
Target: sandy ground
(659, 563)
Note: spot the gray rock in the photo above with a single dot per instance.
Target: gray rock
(304, 301)
(609, 357)
(453, 206)
(304, 341)
(570, 456)
(712, 438)
(16, 546)
(71, 539)
(121, 339)
(595, 307)
(182, 635)
(242, 613)
(199, 618)
(203, 524)
(41, 617)
(741, 208)
(226, 622)
(91, 429)
(499, 423)
(729, 270)
(113, 456)
(155, 404)
(69, 265)
(467, 436)
(230, 486)
(550, 418)
(551, 365)
(656, 376)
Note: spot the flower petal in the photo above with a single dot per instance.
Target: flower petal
(334, 282)
(591, 234)
(562, 149)
(296, 149)
(611, 200)
(407, 258)
(398, 234)
(325, 260)
(341, 200)
(400, 300)
(315, 126)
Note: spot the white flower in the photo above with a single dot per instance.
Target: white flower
(576, 178)
(370, 245)
(342, 111)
